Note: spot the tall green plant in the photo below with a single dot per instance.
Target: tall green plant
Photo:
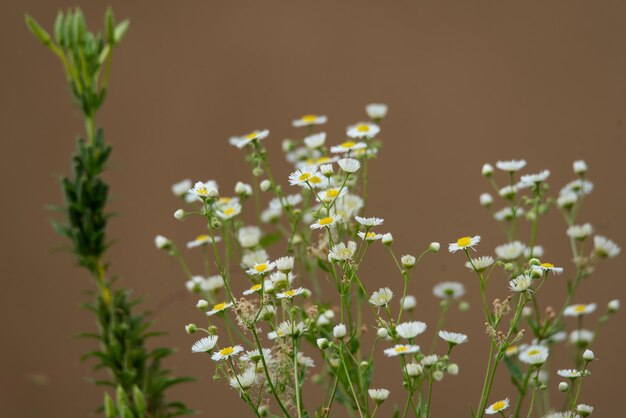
(135, 371)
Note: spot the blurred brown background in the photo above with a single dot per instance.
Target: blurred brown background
(466, 82)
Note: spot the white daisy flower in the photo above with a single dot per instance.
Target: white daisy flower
(376, 111)
(463, 243)
(486, 199)
(579, 310)
(409, 303)
(161, 242)
(242, 141)
(512, 165)
(507, 214)
(363, 130)
(480, 263)
(497, 407)
(348, 205)
(202, 240)
(230, 211)
(534, 354)
(326, 222)
(270, 215)
(315, 140)
(378, 395)
(521, 283)
(245, 380)
(401, 349)
(453, 338)
(369, 222)
(181, 188)
(508, 191)
(579, 167)
(249, 236)
(584, 410)
(369, 236)
(204, 190)
(243, 189)
(303, 175)
(347, 147)
(548, 267)
(304, 361)
(581, 337)
(558, 337)
(285, 263)
(578, 186)
(290, 328)
(528, 180)
(349, 165)
(309, 120)
(212, 283)
(254, 356)
(410, 329)
(219, 307)
(331, 194)
(252, 258)
(567, 200)
(429, 361)
(226, 352)
(255, 288)
(445, 290)
(604, 247)
(569, 373)
(537, 251)
(290, 294)
(261, 268)
(342, 252)
(204, 345)
(510, 251)
(339, 331)
(381, 297)
(326, 169)
(580, 232)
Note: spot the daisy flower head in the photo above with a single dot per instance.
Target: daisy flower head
(453, 338)
(349, 165)
(242, 141)
(260, 269)
(285, 264)
(290, 294)
(378, 395)
(303, 176)
(507, 214)
(579, 310)
(229, 211)
(376, 111)
(245, 380)
(511, 165)
(204, 345)
(521, 283)
(464, 243)
(430, 360)
(204, 190)
(342, 252)
(326, 169)
(309, 120)
(536, 251)
(291, 328)
(580, 232)
(219, 307)
(381, 297)
(369, 222)
(401, 349)
(363, 130)
(569, 373)
(534, 354)
(410, 329)
(580, 187)
(255, 288)
(605, 248)
(480, 263)
(254, 356)
(510, 251)
(226, 353)
(449, 290)
(529, 180)
(497, 407)
(315, 140)
(548, 267)
(326, 222)
(181, 188)
(347, 146)
(331, 194)
(369, 236)
(584, 410)
(567, 200)
(581, 337)
(249, 236)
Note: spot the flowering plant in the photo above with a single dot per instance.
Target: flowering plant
(306, 305)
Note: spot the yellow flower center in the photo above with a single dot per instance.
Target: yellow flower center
(498, 406)
(363, 128)
(229, 211)
(255, 287)
(370, 235)
(464, 242)
(511, 349)
(348, 144)
(202, 237)
(580, 308)
(290, 293)
(304, 176)
(401, 349)
(227, 351)
(261, 267)
(202, 191)
(533, 352)
(308, 118)
(252, 135)
(315, 180)
(224, 199)
(322, 160)
(547, 265)
(332, 193)
(219, 306)
(326, 221)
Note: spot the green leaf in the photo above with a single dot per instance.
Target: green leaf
(323, 265)
(58, 28)
(109, 407)
(140, 402)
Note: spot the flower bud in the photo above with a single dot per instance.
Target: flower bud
(536, 273)
(180, 214)
(409, 303)
(613, 306)
(190, 328)
(487, 170)
(584, 410)
(408, 261)
(438, 375)
(287, 145)
(202, 305)
(434, 247)
(534, 262)
(588, 356)
(509, 267)
(257, 171)
(326, 169)
(334, 362)
(563, 386)
(382, 333)
(265, 185)
(339, 331)
(161, 242)
(243, 189)
(464, 306)
(527, 311)
(387, 239)
(322, 343)
(364, 364)
(213, 193)
(453, 369)
(580, 167)
(486, 200)
(414, 369)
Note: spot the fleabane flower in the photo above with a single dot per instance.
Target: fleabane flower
(569, 373)
(326, 222)
(204, 190)
(579, 186)
(548, 267)
(331, 194)
(529, 180)
(401, 349)
(255, 288)
(242, 141)
(510, 251)
(579, 309)
(226, 353)
(363, 130)
(303, 176)
(369, 222)
(381, 297)
(342, 252)
(349, 165)
(453, 338)
(229, 211)
(581, 337)
(449, 290)
(378, 395)
(463, 243)
(369, 236)
(521, 283)
(261, 268)
(376, 111)
(285, 263)
(347, 146)
(497, 407)
(181, 188)
(219, 307)
(245, 380)
(315, 140)
(291, 328)
(580, 232)
(604, 247)
(511, 165)
(290, 294)
(534, 354)
(480, 263)
(309, 120)
(204, 345)
(249, 236)
(507, 214)
(410, 329)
